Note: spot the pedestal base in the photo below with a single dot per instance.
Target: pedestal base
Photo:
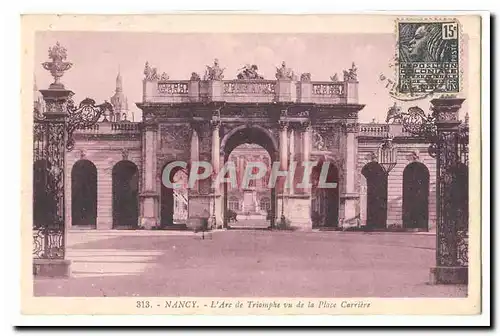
(148, 222)
(298, 211)
(53, 268)
(449, 275)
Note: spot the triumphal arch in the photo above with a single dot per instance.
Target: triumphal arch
(294, 118)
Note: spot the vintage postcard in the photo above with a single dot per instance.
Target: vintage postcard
(237, 164)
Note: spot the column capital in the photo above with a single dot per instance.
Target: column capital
(215, 124)
(305, 126)
(283, 125)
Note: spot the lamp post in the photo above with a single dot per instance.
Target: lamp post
(387, 154)
(52, 136)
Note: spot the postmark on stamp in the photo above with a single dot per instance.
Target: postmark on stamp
(428, 57)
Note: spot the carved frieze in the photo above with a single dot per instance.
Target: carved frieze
(205, 140)
(317, 141)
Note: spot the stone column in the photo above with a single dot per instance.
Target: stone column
(195, 151)
(449, 269)
(283, 157)
(306, 147)
(215, 124)
(149, 194)
(216, 211)
(292, 158)
(351, 195)
(283, 145)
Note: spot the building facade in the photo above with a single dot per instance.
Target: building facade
(114, 172)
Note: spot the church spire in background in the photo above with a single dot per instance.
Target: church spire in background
(119, 101)
(119, 84)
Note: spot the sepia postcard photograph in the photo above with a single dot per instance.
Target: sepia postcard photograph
(244, 164)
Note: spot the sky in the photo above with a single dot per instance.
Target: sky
(97, 58)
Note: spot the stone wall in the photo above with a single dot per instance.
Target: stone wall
(408, 152)
(104, 154)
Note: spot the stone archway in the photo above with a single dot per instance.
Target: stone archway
(125, 177)
(376, 195)
(84, 194)
(416, 196)
(247, 134)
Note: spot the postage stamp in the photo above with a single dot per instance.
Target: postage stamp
(224, 165)
(428, 57)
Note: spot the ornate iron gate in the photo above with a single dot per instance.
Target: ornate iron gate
(48, 187)
(449, 139)
(52, 136)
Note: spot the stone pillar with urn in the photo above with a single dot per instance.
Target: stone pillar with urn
(52, 136)
(451, 237)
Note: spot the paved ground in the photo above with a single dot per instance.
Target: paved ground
(249, 263)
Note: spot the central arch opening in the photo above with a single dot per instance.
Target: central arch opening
(252, 206)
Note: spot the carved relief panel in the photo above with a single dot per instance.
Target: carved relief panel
(175, 141)
(326, 138)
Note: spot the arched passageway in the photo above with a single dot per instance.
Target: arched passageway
(416, 196)
(125, 178)
(84, 194)
(261, 138)
(376, 195)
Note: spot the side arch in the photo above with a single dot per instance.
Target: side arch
(376, 195)
(125, 177)
(84, 194)
(416, 196)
